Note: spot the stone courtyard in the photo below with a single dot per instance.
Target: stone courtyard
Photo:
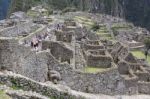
(63, 58)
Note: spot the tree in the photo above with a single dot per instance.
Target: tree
(95, 26)
(147, 46)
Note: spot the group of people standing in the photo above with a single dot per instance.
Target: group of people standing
(36, 41)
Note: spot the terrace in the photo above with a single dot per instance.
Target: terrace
(140, 55)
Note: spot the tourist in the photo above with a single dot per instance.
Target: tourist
(58, 27)
(45, 35)
(146, 54)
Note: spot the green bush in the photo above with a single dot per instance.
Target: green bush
(95, 27)
(147, 43)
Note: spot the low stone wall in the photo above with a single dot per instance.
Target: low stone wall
(144, 87)
(99, 61)
(143, 76)
(70, 23)
(52, 91)
(134, 44)
(97, 52)
(41, 30)
(92, 47)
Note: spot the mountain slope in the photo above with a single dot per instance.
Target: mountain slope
(136, 11)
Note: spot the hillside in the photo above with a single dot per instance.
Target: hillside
(136, 11)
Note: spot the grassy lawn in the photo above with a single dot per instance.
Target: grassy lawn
(140, 54)
(93, 70)
(3, 95)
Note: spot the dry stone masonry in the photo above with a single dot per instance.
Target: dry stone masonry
(60, 59)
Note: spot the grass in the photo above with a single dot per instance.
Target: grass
(32, 13)
(140, 54)
(3, 95)
(119, 26)
(104, 33)
(91, 69)
(84, 20)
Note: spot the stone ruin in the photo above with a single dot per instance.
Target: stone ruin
(96, 55)
(55, 68)
(132, 70)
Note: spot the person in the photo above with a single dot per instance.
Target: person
(35, 43)
(31, 44)
(58, 26)
(45, 35)
(146, 54)
(39, 37)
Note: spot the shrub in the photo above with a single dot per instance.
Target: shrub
(95, 27)
(147, 45)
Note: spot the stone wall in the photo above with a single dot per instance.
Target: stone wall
(108, 82)
(22, 60)
(52, 91)
(144, 87)
(119, 52)
(41, 30)
(16, 30)
(92, 47)
(64, 36)
(36, 65)
(99, 61)
(98, 58)
(80, 62)
(59, 50)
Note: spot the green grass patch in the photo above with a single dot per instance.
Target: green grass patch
(105, 35)
(32, 13)
(119, 26)
(108, 38)
(102, 30)
(84, 20)
(3, 95)
(91, 69)
(140, 55)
